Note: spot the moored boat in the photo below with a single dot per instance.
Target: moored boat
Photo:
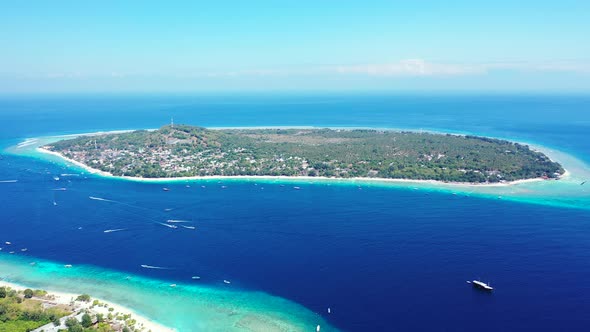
(481, 285)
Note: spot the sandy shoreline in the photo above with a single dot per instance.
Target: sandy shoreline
(296, 178)
(66, 298)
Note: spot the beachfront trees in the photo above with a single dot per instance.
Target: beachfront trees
(28, 293)
(83, 298)
(19, 316)
(73, 325)
(2, 292)
(86, 320)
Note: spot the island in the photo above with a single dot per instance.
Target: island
(189, 151)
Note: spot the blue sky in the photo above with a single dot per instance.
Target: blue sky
(78, 46)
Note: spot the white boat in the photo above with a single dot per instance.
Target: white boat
(196, 277)
(68, 266)
(226, 281)
(481, 285)
(8, 243)
(173, 285)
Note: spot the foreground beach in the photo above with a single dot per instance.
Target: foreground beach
(175, 305)
(63, 298)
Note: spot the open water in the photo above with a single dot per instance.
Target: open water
(382, 258)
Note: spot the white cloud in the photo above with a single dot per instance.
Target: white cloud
(420, 67)
(406, 68)
(411, 67)
(401, 69)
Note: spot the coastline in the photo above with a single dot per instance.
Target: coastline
(65, 298)
(95, 171)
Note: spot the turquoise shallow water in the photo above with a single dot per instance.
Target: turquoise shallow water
(367, 250)
(184, 307)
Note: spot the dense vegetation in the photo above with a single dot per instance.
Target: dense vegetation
(194, 151)
(20, 313)
(30, 309)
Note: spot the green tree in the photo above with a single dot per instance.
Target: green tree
(2, 292)
(28, 293)
(76, 328)
(83, 298)
(55, 320)
(71, 322)
(86, 320)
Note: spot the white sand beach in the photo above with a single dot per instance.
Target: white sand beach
(66, 298)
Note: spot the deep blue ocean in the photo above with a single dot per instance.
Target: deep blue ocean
(383, 259)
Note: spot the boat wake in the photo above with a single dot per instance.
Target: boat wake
(8, 181)
(168, 225)
(188, 227)
(114, 230)
(101, 199)
(177, 221)
(154, 267)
